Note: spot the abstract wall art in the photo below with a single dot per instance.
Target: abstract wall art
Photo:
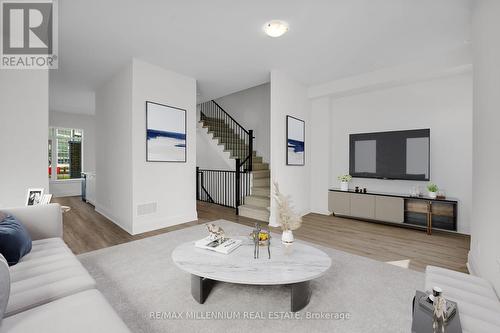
(165, 133)
(295, 141)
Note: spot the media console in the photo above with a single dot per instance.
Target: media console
(418, 212)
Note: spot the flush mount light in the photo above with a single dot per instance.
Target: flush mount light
(275, 28)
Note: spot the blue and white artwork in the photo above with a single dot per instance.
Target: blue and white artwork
(165, 133)
(295, 129)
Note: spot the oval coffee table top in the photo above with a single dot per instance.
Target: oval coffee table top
(298, 263)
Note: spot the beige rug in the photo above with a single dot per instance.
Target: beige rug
(152, 295)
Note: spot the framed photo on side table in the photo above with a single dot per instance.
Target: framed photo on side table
(34, 197)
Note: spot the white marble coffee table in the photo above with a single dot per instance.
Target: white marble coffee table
(295, 267)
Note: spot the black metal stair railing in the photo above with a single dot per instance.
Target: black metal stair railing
(235, 138)
(223, 187)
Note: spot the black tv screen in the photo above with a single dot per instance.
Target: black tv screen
(390, 155)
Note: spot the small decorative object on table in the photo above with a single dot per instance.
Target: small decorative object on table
(261, 236)
(415, 192)
(217, 241)
(356, 189)
(216, 232)
(46, 199)
(441, 195)
(285, 215)
(439, 314)
(344, 182)
(431, 315)
(364, 189)
(432, 188)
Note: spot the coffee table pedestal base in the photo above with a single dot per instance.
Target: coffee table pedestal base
(200, 288)
(300, 292)
(300, 295)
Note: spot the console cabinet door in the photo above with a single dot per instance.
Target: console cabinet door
(363, 206)
(389, 209)
(339, 203)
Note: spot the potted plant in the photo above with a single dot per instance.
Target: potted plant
(344, 182)
(432, 188)
(285, 215)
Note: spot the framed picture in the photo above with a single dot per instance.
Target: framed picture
(295, 141)
(165, 133)
(46, 199)
(34, 197)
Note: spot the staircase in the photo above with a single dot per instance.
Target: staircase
(238, 141)
(256, 205)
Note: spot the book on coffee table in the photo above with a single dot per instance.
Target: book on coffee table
(225, 246)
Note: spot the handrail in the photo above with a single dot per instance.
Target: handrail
(234, 136)
(234, 120)
(223, 187)
(217, 170)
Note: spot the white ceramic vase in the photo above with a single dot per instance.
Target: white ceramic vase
(344, 186)
(287, 237)
(432, 195)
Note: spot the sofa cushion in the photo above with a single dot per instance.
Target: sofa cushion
(84, 312)
(4, 286)
(15, 241)
(51, 271)
(477, 301)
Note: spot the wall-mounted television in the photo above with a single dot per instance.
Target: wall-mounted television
(390, 155)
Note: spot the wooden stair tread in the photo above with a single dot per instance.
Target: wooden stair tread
(257, 196)
(257, 208)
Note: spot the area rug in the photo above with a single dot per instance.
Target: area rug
(152, 294)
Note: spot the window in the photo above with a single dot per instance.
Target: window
(50, 157)
(65, 153)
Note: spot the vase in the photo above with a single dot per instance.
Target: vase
(344, 186)
(432, 195)
(287, 237)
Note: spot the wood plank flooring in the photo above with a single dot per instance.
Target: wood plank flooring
(86, 230)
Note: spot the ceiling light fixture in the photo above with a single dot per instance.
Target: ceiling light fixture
(275, 28)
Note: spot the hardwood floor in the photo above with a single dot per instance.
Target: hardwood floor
(86, 230)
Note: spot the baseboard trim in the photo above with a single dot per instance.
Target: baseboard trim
(159, 223)
(104, 212)
(321, 212)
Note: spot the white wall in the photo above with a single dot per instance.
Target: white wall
(125, 181)
(65, 188)
(24, 122)
(60, 188)
(209, 154)
(288, 97)
(320, 154)
(114, 151)
(444, 105)
(484, 257)
(251, 108)
(172, 186)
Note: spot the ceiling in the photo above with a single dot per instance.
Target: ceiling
(222, 45)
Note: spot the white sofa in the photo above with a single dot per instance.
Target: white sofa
(477, 301)
(49, 290)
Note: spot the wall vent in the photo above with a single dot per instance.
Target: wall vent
(146, 209)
